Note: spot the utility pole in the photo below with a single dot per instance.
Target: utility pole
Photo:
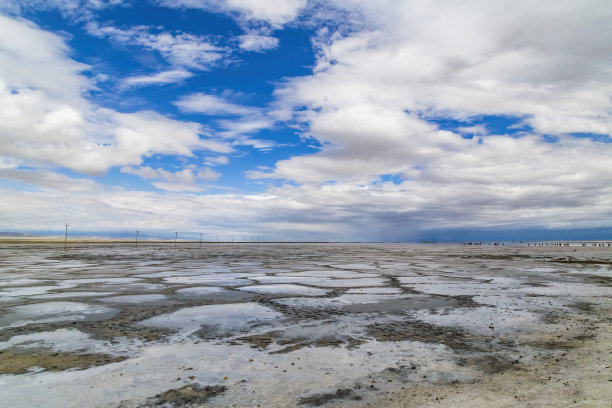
(66, 236)
(200, 239)
(175, 238)
(136, 238)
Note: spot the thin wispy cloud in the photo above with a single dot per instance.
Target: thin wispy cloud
(179, 49)
(159, 78)
(257, 43)
(213, 105)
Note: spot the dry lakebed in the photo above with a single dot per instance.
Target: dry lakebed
(290, 325)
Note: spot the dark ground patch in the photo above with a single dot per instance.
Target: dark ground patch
(489, 363)
(572, 260)
(424, 332)
(259, 341)
(17, 360)
(263, 341)
(321, 399)
(584, 307)
(187, 396)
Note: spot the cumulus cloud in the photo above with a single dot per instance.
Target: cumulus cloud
(46, 118)
(34, 59)
(546, 63)
(375, 92)
(378, 88)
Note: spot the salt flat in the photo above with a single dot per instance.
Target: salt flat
(112, 325)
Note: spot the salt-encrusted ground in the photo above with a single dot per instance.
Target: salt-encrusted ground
(288, 325)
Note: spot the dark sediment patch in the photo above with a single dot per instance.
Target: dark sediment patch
(210, 332)
(125, 324)
(265, 340)
(599, 280)
(424, 332)
(496, 257)
(536, 284)
(395, 283)
(551, 318)
(581, 331)
(259, 341)
(321, 399)
(579, 261)
(489, 363)
(584, 307)
(187, 396)
(19, 361)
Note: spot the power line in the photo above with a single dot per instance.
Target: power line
(66, 236)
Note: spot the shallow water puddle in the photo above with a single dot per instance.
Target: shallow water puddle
(48, 312)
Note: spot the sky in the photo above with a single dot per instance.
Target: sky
(338, 120)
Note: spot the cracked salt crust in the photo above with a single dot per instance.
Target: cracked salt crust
(288, 289)
(223, 318)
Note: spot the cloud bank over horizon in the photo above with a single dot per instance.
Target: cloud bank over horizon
(295, 119)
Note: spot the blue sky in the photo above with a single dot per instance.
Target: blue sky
(307, 120)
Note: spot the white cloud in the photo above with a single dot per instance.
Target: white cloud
(257, 43)
(185, 176)
(216, 160)
(179, 49)
(331, 211)
(475, 130)
(78, 10)
(547, 62)
(274, 12)
(369, 103)
(374, 89)
(159, 78)
(243, 126)
(207, 174)
(34, 59)
(182, 180)
(213, 105)
(45, 117)
(248, 119)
